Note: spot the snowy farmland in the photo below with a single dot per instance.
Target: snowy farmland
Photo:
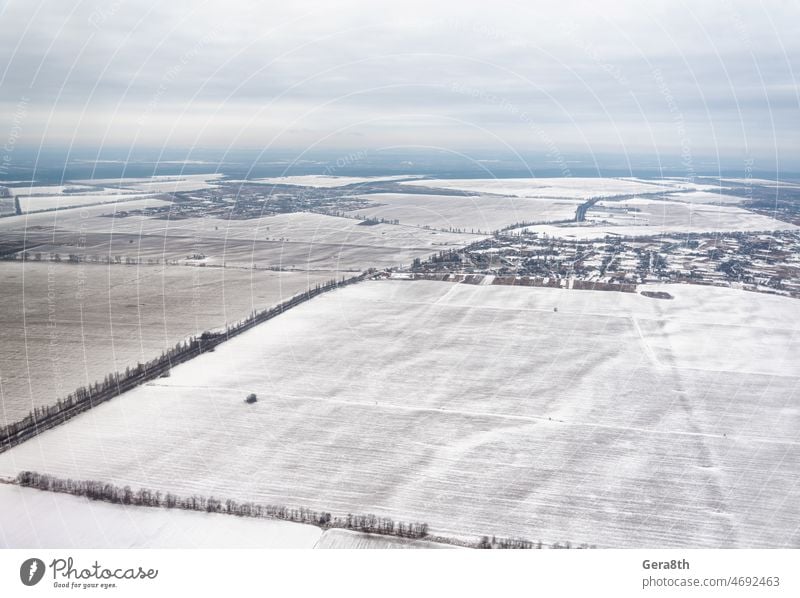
(71, 218)
(33, 518)
(160, 183)
(41, 203)
(644, 217)
(705, 197)
(625, 207)
(66, 325)
(480, 409)
(36, 519)
(324, 181)
(566, 187)
(42, 198)
(471, 213)
(672, 216)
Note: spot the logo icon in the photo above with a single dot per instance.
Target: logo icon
(31, 572)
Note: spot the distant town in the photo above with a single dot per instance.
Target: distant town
(765, 262)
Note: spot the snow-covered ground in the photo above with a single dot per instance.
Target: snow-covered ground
(645, 217)
(706, 197)
(72, 218)
(764, 182)
(478, 213)
(64, 325)
(617, 420)
(35, 519)
(141, 185)
(301, 240)
(569, 188)
(323, 181)
(70, 200)
(26, 190)
(702, 184)
(160, 183)
(684, 206)
(31, 518)
(675, 216)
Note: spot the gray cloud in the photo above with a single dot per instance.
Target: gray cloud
(594, 77)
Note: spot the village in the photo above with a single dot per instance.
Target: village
(765, 262)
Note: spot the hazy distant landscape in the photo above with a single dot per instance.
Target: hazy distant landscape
(489, 377)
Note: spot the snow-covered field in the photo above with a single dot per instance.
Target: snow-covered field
(36, 198)
(764, 182)
(71, 200)
(617, 420)
(673, 216)
(52, 342)
(569, 188)
(656, 217)
(34, 519)
(65, 325)
(684, 207)
(160, 183)
(701, 184)
(479, 213)
(73, 218)
(302, 241)
(33, 189)
(706, 197)
(7, 206)
(323, 181)
(304, 227)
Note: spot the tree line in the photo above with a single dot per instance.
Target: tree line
(370, 524)
(517, 543)
(114, 384)
(77, 258)
(143, 497)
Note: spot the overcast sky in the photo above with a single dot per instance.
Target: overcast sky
(660, 78)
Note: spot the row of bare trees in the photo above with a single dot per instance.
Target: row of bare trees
(517, 543)
(107, 492)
